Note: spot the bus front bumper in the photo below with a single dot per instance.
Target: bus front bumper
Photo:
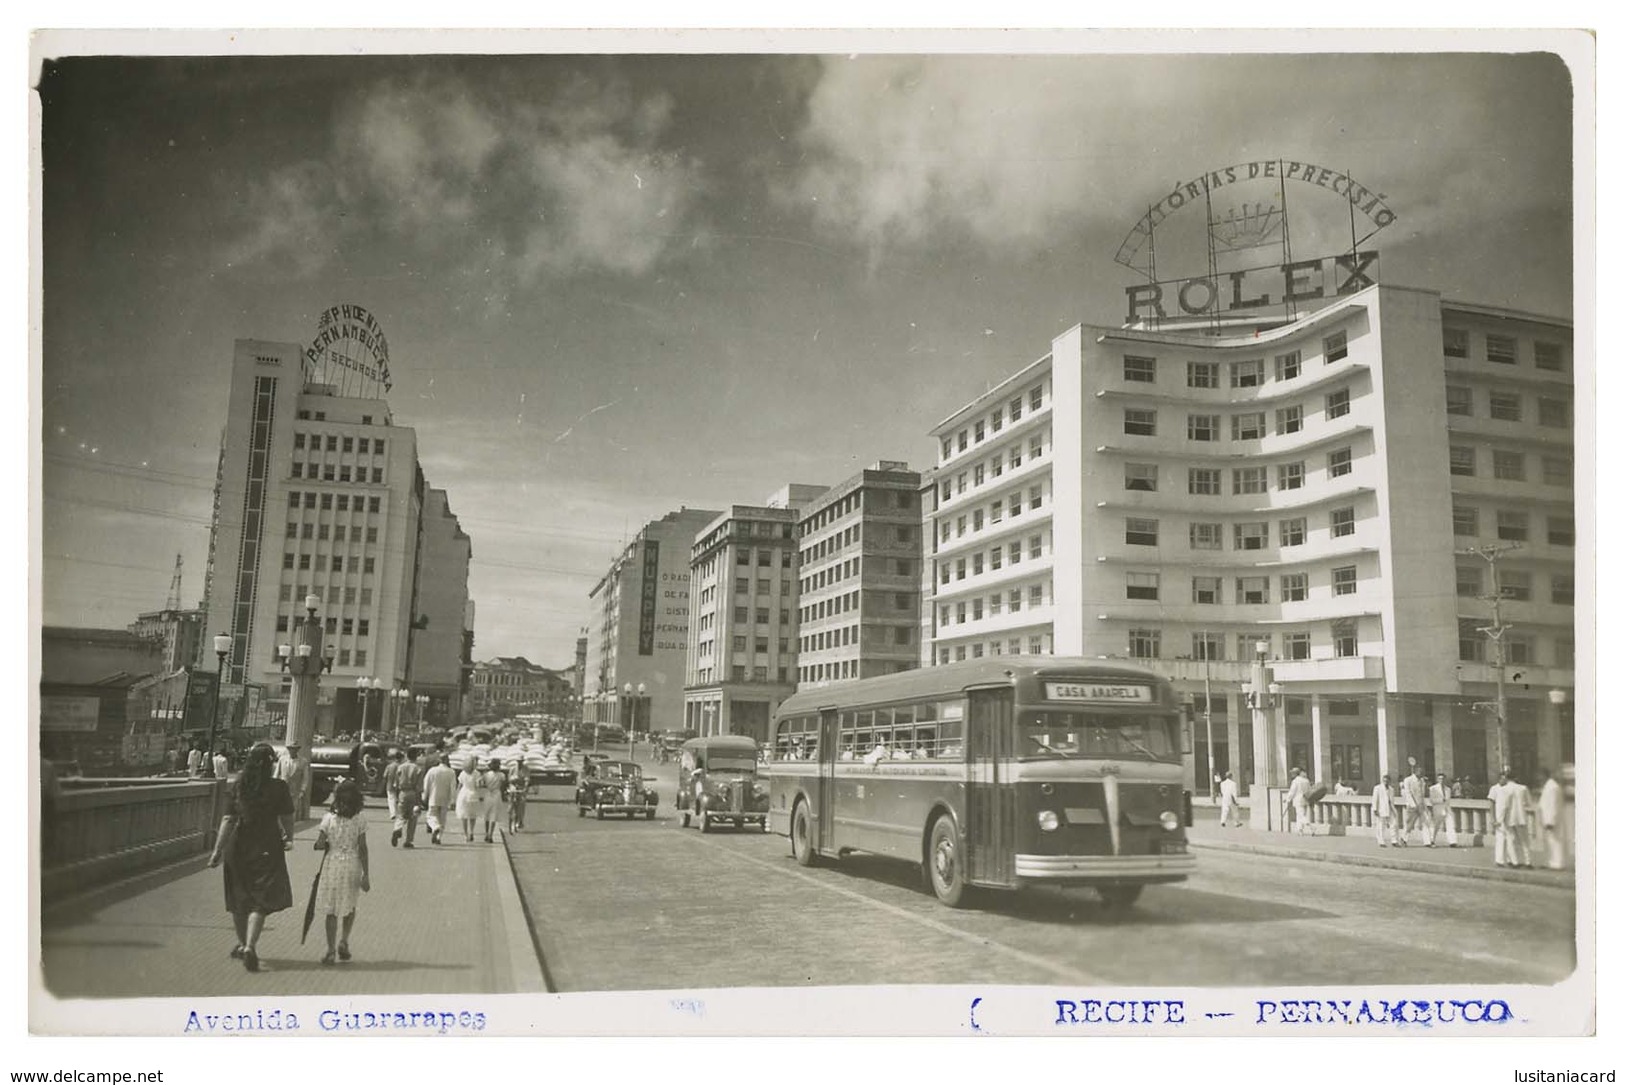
(1105, 868)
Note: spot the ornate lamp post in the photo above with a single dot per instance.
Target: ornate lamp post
(365, 685)
(632, 699)
(400, 695)
(422, 700)
(222, 648)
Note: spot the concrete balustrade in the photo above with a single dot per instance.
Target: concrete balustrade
(101, 830)
(1350, 815)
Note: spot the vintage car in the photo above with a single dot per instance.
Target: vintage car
(330, 763)
(716, 782)
(615, 787)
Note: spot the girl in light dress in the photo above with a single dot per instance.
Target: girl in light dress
(471, 796)
(495, 782)
(343, 835)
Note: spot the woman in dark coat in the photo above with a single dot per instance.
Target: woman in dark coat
(256, 874)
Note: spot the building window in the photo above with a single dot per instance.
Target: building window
(1015, 551)
(1342, 522)
(1344, 580)
(1206, 589)
(1560, 530)
(981, 432)
(1252, 589)
(1035, 398)
(1289, 419)
(1202, 374)
(1249, 480)
(1501, 349)
(959, 569)
(1470, 641)
(1035, 545)
(1339, 462)
(1455, 342)
(1247, 374)
(1247, 427)
(1508, 465)
(976, 564)
(1139, 369)
(1462, 460)
(964, 440)
(1506, 406)
(1202, 427)
(1140, 423)
(1294, 587)
(1035, 497)
(1143, 586)
(1288, 366)
(1557, 471)
(1554, 413)
(1293, 531)
(1145, 643)
(293, 530)
(321, 532)
(976, 520)
(1563, 589)
(1289, 476)
(1516, 585)
(372, 504)
(1136, 532)
(1337, 403)
(1512, 525)
(1140, 476)
(1207, 536)
(1015, 600)
(347, 626)
(1295, 645)
(1015, 408)
(1469, 581)
(995, 557)
(998, 419)
(367, 565)
(1549, 356)
(1208, 481)
(1345, 639)
(1252, 536)
(1035, 448)
(1207, 645)
(1335, 346)
(1458, 400)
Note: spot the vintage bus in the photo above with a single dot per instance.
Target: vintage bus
(1004, 772)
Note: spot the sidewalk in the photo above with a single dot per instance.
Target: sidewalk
(1363, 851)
(438, 920)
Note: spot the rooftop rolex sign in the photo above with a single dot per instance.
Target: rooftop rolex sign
(1248, 265)
(350, 340)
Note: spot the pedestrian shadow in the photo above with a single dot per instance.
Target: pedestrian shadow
(84, 905)
(1195, 906)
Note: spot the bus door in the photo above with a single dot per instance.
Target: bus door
(829, 743)
(990, 841)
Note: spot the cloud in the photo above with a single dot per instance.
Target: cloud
(484, 178)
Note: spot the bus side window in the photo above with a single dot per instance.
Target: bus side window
(951, 730)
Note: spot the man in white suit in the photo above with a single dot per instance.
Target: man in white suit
(1439, 815)
(1382, 810)
(1551, 819)
(1229, 802)
(1508, 808)
(1416, 794)
(1297, 797)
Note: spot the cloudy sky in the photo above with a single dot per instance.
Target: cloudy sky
(615, 284)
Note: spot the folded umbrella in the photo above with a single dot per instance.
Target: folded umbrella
(310, 905)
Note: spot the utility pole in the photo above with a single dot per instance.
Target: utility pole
(1496, 630)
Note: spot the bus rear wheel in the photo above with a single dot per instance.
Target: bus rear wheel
(801, 836)
(1118, 898)
(945, 863)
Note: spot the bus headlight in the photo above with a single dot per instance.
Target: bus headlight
(1048, 821)
(1170, 820)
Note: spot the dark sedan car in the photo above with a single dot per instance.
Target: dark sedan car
(616, 787)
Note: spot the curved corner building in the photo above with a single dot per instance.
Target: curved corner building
(1323, 495)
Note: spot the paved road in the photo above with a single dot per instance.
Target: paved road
(622, 905)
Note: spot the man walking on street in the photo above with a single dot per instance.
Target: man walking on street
(1439, 813)
(1415, 792)
(220, 765)
(1228, 802)
(194, 761)
(1297, 797)
(392, 773)
(439, 787)
(1551, 811)
(295, 771)
(1507, 799)
(1382, 810)
(408, 783)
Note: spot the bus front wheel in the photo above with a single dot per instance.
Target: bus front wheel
(945, 863)
(1119, 897)
(801, 836)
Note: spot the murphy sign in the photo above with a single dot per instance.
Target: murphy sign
(1259, 221)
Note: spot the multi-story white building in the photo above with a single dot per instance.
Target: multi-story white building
(860, 577)
(638, 630)
(320, 494)
(1321, 493)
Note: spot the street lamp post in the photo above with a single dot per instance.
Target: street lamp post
(365, 685)
(304, 659)
(1207, 715)
(399, 695)
(222, 648)
(422, 700)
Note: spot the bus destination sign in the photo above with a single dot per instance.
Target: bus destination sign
(1097, 692)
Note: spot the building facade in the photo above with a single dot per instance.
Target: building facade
(513, 684)
(440, 667)
(320, 494)
(638, 629)
(179, 631)
(860, 557)
(1300, 494)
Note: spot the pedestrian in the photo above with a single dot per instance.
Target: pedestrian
(409, 784)
(1297, 797)
(181, 755)
(1382, 810)
(439, 785)
(343, 835)
(257, 829)
(1229, 802)
(392, 787)
(1439, 809)
(518, 792)
(1551, 811)
(1414, 793)
(496, 786)
(220, 764)
(1341, 788)
(194, 761)
(470, 796)
(1511, 821)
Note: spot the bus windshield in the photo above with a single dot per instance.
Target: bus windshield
(1142, 736)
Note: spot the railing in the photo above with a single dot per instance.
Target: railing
(1350, 815)
(100, 830)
